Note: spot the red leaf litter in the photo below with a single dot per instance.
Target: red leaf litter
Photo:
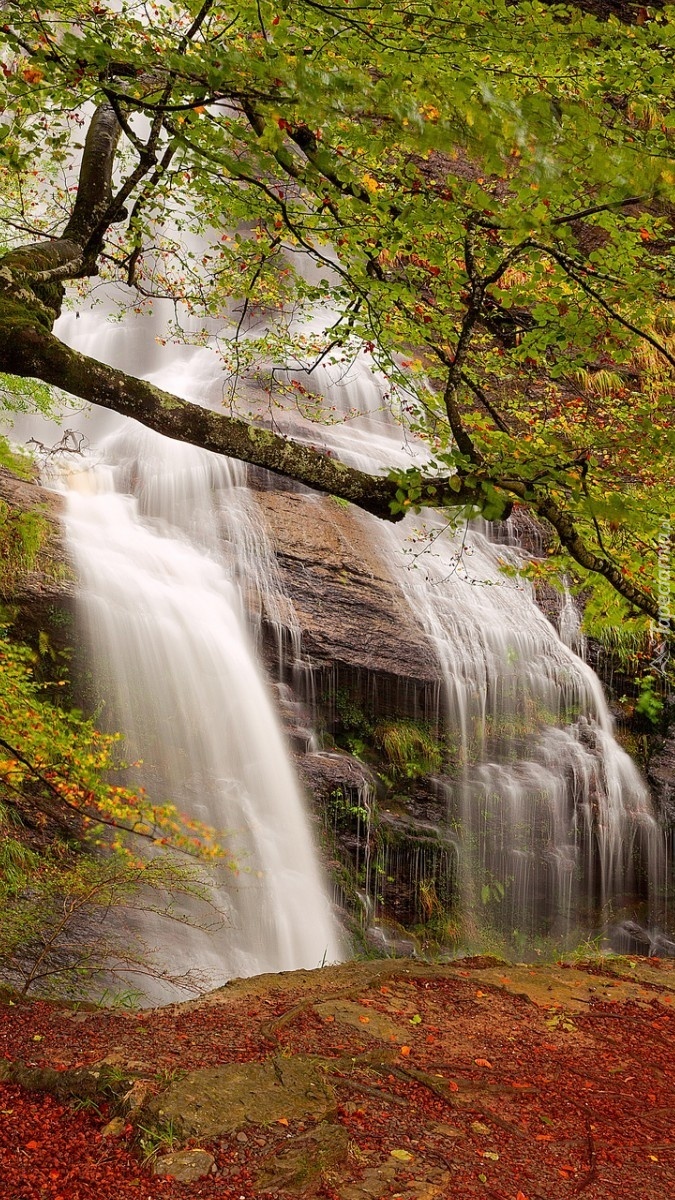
(464, 1082)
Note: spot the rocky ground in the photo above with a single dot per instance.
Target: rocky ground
(368, 1080)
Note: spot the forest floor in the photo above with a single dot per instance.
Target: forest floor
(384, 1079)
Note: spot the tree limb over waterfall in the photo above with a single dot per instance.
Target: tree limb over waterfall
(30, 351)
(39, 354)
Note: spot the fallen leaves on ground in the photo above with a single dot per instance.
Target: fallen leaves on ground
(483, 1095)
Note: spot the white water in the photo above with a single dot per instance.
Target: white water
(165, 541)
(550, 819)
(552, 822)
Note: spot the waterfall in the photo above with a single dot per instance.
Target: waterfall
(551, 821)
(552, 817)
(165, 543)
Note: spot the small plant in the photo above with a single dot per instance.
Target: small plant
(350, 715)
(127, 1000)
(410, 747)
(346, 810)
(87, 1104)
(22, 537)
(155, 1140)
(492, 891)
(648, 703)
(169, 1075)
(429, 902)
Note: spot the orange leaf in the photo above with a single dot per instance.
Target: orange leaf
(521, 1196)
(32, 1145)
(364, 1020)
(482, 1062)
(282, 1121)
(405, 1051)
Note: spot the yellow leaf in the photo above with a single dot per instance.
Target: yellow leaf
(401, 1155)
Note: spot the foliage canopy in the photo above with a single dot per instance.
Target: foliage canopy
(497, 182)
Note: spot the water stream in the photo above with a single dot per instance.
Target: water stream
(549, 819)
(552, 824)
(167, 547)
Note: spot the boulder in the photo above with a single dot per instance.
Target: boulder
(219, 1100)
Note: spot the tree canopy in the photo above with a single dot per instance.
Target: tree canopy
(487, 191)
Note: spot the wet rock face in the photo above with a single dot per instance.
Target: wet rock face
(368, 664)
(661, 775)
(40, 598)
(350, 610)
(324, 771)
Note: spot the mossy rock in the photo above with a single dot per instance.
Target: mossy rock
(219, 1100)
(299, 1167)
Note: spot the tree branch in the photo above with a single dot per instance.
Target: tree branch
(572, 541)
(34, 352)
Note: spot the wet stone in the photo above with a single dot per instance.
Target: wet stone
(114, 1128)
(185, 1166)
(221, 1100)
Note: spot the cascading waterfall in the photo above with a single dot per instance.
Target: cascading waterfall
(550, 820)
(552, 823)
(164, 539)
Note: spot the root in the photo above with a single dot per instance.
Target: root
(81, 1083)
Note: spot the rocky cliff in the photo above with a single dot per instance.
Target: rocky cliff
(359, 689)
(37, 586)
